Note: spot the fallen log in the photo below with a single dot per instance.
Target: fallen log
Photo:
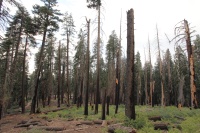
(98, 121)
(155, 118)
(54, 110)
(180, 118)
(161, 126)
(112, 128)
(53, 128)
(87, 122)
(26, 125)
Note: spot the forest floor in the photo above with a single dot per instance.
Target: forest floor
(37, 123)
(71, 120)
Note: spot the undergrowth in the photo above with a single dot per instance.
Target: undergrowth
(191, 124)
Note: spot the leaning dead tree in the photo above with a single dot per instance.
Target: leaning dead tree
(129, 93)
(184, 27)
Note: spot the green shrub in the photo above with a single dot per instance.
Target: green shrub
(139, 123)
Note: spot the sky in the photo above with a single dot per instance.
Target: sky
(147, 14)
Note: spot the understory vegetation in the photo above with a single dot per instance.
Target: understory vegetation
(178, 120)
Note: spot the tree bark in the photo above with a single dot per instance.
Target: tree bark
(23, 77)
(88, 69)
(191, 66)
(145, 80)
(98, 62)
(117, 84)
(130, 103)
(108, 103)
(161, 72)
(58, 93)
(37, 72)
(103, 116)
(67, 84)
(63, 82)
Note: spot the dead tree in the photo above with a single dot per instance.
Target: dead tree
(151, 79)
(161, 72)
(191, 65)
(130, 103)
(145, 80)
(186, 35)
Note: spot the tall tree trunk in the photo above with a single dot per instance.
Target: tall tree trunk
(63, 82)
(88, 68)
(117, 84)
(98, 63)
(181, 99)
(103, 116)
(151, 79)
(58, 94)
(169, 79)
(130, 103)
(145, 80)
(16, 54)
(67, 84)
(161, 72)
(191, 66)
(107, 103)
(37, 72)
(76, 87)
(23, 77)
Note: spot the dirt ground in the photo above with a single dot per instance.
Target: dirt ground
(8, 125)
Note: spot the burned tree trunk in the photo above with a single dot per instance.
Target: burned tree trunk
(130, 103)
(103, 116)
(151, 79)
(88, 69)
(191, 65)
(161, 72)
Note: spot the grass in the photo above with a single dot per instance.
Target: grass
(191, 124)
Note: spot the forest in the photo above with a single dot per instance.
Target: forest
(77, 87)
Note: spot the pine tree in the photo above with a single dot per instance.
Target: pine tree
(48, 18)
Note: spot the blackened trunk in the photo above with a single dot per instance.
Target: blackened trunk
(103, 116)
(191, 66)
(130, 103)
(88, 69)
(108, 103)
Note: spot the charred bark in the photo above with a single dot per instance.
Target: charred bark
(130, 103)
